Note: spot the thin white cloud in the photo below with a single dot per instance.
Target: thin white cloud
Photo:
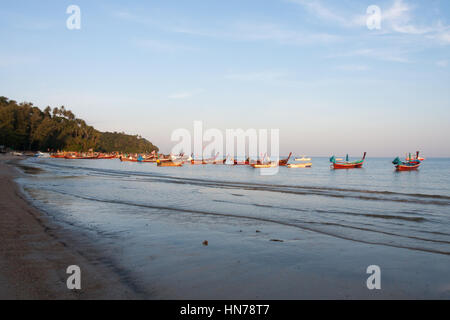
(277, 33)
(321, 11)
(237, 31)
(397, 18)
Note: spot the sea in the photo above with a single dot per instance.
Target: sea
(229, 232)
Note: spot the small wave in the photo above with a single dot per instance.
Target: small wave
(290, 224)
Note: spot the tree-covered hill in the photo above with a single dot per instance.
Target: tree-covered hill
(25, 127)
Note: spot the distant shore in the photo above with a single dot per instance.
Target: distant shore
(34, 257)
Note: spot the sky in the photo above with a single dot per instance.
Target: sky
(312, 69)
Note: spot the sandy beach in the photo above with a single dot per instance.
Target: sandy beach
(34, 256)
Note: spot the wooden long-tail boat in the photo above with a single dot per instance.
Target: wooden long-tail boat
(168, 163)
(302, 159)
(107, 156)
(408, 165)
(57, 155)
(284, 162)
(134, 159)
(266, 165)
(347, 164)
(300, 165)
(81, 157)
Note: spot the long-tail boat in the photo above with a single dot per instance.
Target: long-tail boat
(265, 165)
(134, 159)
(57, 155)
(300, 165)
(284, 162)
(347, 164)
(408, 165)
(81, 157)
(303, 158)
(168, 163)
(106, 156)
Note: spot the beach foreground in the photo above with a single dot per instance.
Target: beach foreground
(33, 257)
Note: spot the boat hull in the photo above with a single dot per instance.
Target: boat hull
(169, 164)
(262, 166)
(299, 165)
(347, 165)
(407, 168)
(81, 158)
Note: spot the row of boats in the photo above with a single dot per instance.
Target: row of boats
(410, 162)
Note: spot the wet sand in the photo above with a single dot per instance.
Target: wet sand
(34, 255)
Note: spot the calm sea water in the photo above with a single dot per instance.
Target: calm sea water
(303, 233)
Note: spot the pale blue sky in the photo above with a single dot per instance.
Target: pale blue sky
(310, 68)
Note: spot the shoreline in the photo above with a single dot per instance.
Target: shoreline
(34, 255)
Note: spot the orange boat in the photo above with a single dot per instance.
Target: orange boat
(267, 165)
(168, 164)
(347, 164)
(57, 155)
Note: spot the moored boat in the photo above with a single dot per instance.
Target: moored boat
(300, 165)
(57, 155)
(168, 163)
(78, 157)
(284, 162)
(347, 164)
(106, 156)
(302, 159)
(266, 165)
(408, 165)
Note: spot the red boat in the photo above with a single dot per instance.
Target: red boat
(284, 162)
(347, 164)
(409, 165)
(54, 155)
(106, 156)
(75, 156)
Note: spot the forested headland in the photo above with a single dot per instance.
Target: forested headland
(24, 126)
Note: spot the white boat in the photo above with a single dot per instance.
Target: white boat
(303, 159)
(42, 155)
(300, 165)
